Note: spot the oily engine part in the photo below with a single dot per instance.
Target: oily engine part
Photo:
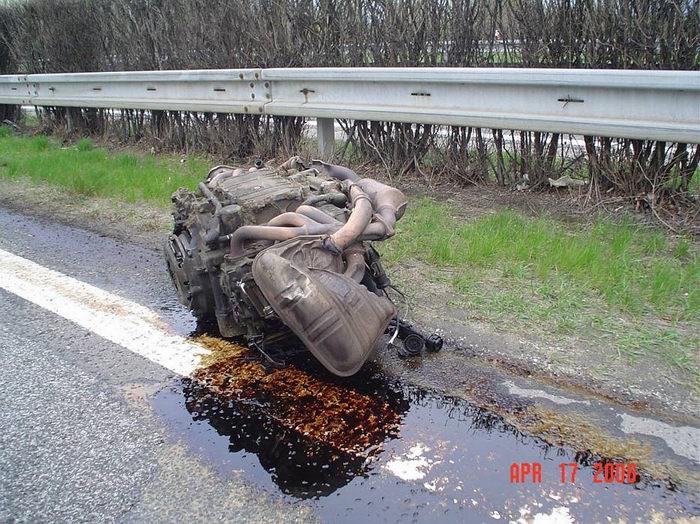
(280, 254)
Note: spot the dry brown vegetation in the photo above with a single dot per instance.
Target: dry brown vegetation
(104, 35)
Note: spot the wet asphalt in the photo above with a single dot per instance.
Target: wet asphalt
(79, 441)
(92, 432)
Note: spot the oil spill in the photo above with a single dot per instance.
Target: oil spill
(350, 416)
(432, 457)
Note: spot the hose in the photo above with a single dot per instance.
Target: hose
(211, 198)
(212, 235)
(338, 172)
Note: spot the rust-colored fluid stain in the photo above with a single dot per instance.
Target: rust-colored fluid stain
(324, 411)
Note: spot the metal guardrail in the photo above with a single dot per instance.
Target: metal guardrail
(653, 105)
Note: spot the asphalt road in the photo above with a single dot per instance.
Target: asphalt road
(90, 431)
(78, 442)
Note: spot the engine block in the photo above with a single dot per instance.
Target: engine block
(280, 253)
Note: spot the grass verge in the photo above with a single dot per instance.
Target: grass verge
(626, 287)
(85, 170)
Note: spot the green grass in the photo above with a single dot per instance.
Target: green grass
(635, 288)
(86, 170)
(634, 269)
(30, 121)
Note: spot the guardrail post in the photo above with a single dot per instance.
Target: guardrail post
(325, 133)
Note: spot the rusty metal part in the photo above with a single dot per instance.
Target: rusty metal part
(335, 198)
(218, 170)
(338, 319)
(335, 171)
(276, 234)
(374, 231)
(292, 218)
(294, 162)
(355, 262)
(388, 203)
(211, 198)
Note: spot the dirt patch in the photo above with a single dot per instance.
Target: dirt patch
(140, 224)
(590, 366)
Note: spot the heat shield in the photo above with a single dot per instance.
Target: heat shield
(337, 319)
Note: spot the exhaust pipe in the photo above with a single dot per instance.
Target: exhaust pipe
(355, 262)
(273, 233)
(388, 203)
(356, 224)
(375, 209)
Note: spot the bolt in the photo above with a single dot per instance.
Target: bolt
(252, 95)
(252, 84)
(267, 84)
(240, 75)
(257, 76)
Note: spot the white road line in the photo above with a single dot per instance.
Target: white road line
(110, 316)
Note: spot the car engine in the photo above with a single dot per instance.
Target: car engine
(283, 254)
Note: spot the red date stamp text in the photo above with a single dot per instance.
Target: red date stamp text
(603, 473)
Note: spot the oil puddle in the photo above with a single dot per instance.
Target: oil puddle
(376, 449)
(353, 417)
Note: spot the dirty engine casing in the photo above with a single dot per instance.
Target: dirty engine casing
(277, 252)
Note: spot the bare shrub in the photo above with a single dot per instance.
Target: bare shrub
(87, 35)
